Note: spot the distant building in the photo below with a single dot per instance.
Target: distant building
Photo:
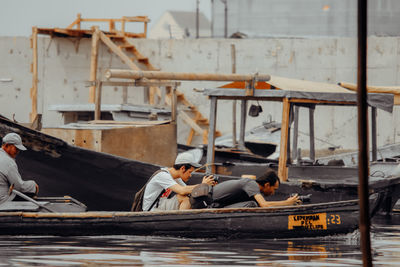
(180, 25)
(302, 18)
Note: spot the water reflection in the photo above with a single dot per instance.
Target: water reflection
(341, 250)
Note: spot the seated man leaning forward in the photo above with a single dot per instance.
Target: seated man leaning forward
(157, 195)
(9, 174)
(247, 192)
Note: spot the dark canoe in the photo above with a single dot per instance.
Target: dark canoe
(101, 181)
(283, 222)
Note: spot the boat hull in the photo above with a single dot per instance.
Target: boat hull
(284, 222)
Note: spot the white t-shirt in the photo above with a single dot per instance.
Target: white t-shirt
(162, 180)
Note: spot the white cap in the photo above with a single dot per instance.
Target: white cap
(14, 139)
(186, 158)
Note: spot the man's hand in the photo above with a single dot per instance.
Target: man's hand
(208, 180)
(293, 200)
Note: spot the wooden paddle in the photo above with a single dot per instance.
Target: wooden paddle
(22, 195)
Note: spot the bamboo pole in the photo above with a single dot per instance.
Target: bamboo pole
(34, 74)
(183, 76)
(93, 63)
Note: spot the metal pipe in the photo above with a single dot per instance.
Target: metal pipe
(197, 19)
(362, 108)
(182, 76)
(226, 19)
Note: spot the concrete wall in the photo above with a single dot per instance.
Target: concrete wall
(64, 66)
(266, 18)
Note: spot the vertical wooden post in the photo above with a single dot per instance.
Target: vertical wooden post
(124, 94)
(112, 25)
(97, 105)
(373, 134)
(123, 25)
(34, 70)
(295, 132)
(173, 102)
(145, 29)
(282, 169)
(363, 151)
(78, 17)
(242, 124)
(211, 133)
(93, 63)
(233, 56)
(312, 135)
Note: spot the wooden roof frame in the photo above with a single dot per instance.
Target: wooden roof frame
(287, 111)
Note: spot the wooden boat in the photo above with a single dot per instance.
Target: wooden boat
(108, 183)
(283, 222)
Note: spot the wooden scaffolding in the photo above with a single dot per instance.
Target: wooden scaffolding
(117, 39)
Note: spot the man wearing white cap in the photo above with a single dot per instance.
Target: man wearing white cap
(173, 179)
(9, 174)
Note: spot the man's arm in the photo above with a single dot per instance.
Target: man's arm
(24, 186)
(288, 202)
(185, 190)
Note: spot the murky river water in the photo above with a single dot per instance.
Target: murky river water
(341, 250)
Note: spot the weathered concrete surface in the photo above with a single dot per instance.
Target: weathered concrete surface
(64, 65)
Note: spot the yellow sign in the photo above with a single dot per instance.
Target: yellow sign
(307, 221)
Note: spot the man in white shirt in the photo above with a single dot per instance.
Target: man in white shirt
(9, 174)
(173, 179)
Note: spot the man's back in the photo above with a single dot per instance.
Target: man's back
(234, 191)
(9, 175)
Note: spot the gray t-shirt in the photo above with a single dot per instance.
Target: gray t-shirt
(234, 191)
(9, 175)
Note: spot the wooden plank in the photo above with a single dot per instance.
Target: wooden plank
(34, 88)
(137, 83)
(114, 123)
(191, 122)
(93, 63)
(107, 41)
(190, 137)
(282, 169)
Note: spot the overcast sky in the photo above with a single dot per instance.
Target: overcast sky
(18, 16)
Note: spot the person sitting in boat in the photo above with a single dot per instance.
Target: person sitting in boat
(158, 191)
(9, 174)
(247, 192)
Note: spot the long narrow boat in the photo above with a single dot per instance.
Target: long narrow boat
(283, 222)
(104, 182)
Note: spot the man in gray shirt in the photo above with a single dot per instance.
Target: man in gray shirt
(9, 174)
(247, 192)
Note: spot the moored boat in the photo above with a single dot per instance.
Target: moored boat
(281, 222)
